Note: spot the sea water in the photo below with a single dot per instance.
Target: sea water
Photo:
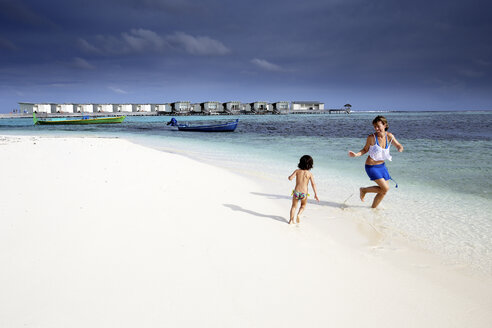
(444, 199)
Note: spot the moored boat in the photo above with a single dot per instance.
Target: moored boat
(83, 120)
(211, 127)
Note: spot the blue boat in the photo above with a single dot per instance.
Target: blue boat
(214, 127)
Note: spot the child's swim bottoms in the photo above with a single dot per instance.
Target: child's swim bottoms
(299, 195)
(379, 171)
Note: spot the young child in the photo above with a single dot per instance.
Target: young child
(300, 193)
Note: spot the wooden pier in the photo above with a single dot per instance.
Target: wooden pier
(338, 111)
(320, 111)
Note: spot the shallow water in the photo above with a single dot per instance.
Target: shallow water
(444, 199)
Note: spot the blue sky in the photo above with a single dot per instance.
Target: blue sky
(375, 55)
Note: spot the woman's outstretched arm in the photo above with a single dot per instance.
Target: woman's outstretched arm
(363, 150)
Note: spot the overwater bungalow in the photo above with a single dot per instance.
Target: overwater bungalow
(181, 107)
(259, 107)
(280, 107)
(232, 107)
(212, 107)
(26, 107)
(103, 108)
(122, 108)
(64, 108)
(307, 106)
(195, 108)
(83, 108)
(141, 108)
(246, 108)
(35, 108)
(161, 108)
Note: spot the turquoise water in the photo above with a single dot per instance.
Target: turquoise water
(444, 199)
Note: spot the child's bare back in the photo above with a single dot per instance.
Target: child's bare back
(302, 180)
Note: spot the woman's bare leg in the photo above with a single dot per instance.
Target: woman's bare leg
(383, 189)
(293, 209)
(365, 190)
(362, 193)
(303, 206)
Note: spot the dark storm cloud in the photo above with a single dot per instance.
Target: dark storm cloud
(17, 12)
(433, 49)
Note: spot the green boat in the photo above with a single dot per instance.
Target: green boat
(83, 120)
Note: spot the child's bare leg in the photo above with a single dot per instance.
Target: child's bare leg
(302, 208)
(293, 209)
(383, 189)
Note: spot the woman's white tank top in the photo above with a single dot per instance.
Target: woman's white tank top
(377, 153)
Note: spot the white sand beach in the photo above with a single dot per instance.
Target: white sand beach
(101, 232)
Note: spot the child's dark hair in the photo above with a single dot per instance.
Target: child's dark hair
(305, 163)
(381, 119)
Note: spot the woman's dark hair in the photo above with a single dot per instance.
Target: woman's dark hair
(381, 119)
(305, 163)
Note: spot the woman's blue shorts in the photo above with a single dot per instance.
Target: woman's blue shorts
(376, 172)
